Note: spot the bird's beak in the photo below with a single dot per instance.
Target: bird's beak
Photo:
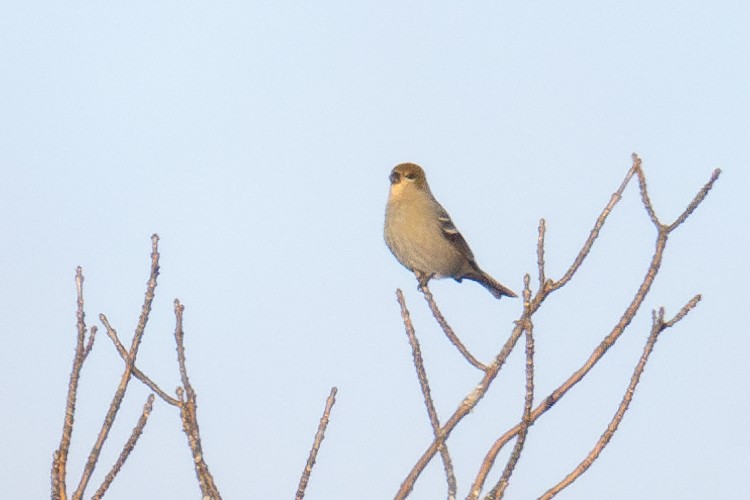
(394, 177)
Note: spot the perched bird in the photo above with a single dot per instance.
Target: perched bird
(420, 233)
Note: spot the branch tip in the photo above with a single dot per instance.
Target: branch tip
(319, 436)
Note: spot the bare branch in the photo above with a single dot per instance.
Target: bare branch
(319, 436)
(576, 377)
(468, 404)
(426, 393)
(447, 329)
(127, 449)
(612, 337)
(60, 459)
(125, 379)
(658, 326)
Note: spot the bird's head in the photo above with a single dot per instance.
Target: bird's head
(407, 176)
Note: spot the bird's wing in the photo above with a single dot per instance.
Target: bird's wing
(453, 235)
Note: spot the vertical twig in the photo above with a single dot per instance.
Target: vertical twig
(499, 490)
(189, 415)
(60, 458)
(540, 254)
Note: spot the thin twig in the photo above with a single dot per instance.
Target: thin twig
(448, 330)
(60, 460)
(90, 343)
(614, 199)
(658, 326)
(540, 253)
(426, 393)
(646, 199)
(319, 436)
(127, 449)
(188, 413)
(499, 490)
(112, 334)
(683, 312)
(696, 200)
(125, 379)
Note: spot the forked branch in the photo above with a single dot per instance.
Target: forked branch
(658, 326)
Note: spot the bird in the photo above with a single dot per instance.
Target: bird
(422, 236)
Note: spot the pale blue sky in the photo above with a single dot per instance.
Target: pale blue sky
(256, 139)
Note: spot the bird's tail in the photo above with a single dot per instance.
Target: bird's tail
(496, 288)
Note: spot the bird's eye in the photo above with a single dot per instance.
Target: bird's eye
(410, 176)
